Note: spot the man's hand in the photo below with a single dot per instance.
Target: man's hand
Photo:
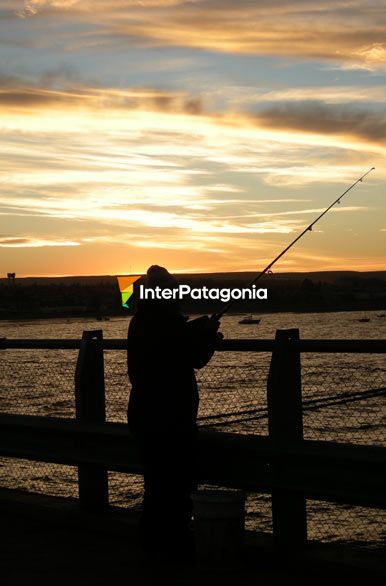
(214, 323)
(206, 323)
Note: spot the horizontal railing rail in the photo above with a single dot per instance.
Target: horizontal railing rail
(226, 345)
(316, 469)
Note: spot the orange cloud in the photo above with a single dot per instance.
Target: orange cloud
(15, 242)
(351, 34)
(16, 96)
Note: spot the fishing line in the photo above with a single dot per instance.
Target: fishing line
(308, 405)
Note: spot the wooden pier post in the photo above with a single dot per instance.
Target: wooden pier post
(285, 423)
(90, 407)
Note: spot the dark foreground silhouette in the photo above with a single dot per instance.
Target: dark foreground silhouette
(163, 349)
(50, 541)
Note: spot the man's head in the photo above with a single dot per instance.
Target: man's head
(157, 276)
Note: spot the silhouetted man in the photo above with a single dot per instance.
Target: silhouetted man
(163, 349)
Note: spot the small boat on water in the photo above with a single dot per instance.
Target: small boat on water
(102, 318)
(249, 320)
(381, 315)
(363, 319)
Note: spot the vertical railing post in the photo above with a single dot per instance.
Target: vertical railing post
(285, 423)
(90, 407)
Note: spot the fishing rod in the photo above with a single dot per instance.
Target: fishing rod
(218, 315)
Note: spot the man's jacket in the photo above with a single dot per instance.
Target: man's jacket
(163, 349)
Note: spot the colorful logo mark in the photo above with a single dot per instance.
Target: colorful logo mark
(126, 287)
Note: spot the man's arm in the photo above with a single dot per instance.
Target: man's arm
(202, 336)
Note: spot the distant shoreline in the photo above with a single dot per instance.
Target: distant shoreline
(326, 276)
(34, 298)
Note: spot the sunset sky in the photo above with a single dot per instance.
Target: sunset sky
(202, 135)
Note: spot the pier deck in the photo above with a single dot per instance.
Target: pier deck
(49, 540)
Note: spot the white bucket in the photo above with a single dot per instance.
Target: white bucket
(219, 518)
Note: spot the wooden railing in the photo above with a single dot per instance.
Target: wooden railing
(283, 464)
